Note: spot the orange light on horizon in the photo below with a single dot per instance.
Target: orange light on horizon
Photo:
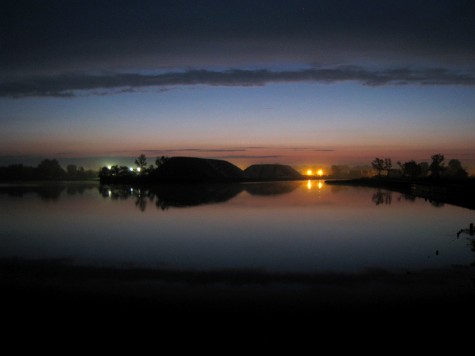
(320, 172)
(309, 172)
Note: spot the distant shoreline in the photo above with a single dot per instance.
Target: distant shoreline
(460, 192)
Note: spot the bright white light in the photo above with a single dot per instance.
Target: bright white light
(138, 169)
(110, 193)
(109, 167)
(131, 169)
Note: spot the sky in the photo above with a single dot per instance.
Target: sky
(305, 83)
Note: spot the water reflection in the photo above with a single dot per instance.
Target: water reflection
(275, 188)
(471, 232)
(189, 195)
(46, 191)
(314, 185)
(407, 197)
(382, 197)
(385, 197)
(165, 196)
(282, 226)
(436, 204)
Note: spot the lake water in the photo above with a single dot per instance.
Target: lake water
(283, 227)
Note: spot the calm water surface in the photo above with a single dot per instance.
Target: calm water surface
(295, 227)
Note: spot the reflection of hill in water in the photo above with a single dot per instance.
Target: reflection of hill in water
(192, 195)
(271, 188)
(174, 195)
(187, 195)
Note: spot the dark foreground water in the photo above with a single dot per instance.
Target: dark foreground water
(276, 250)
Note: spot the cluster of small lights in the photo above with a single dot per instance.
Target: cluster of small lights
(130, 168)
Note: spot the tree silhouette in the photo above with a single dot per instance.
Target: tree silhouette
(18, 172)
(160, 160)
(72, 170)
(387, 165)
(50, 169)
(410, 169)
(437, 166)
(115, 170)
(81, 173)
(104, 172)
(141, 162)
(380, 165)
(455, 169)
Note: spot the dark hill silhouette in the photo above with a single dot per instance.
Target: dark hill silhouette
(191, 169)
(197, 170)
(271, 172)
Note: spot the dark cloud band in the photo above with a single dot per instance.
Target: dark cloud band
(70, 84)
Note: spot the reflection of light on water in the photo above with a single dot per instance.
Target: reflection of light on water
(312, 185)
(110, 193)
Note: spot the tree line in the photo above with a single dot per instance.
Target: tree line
(411, 169)
(47, 169)
(143, 170)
